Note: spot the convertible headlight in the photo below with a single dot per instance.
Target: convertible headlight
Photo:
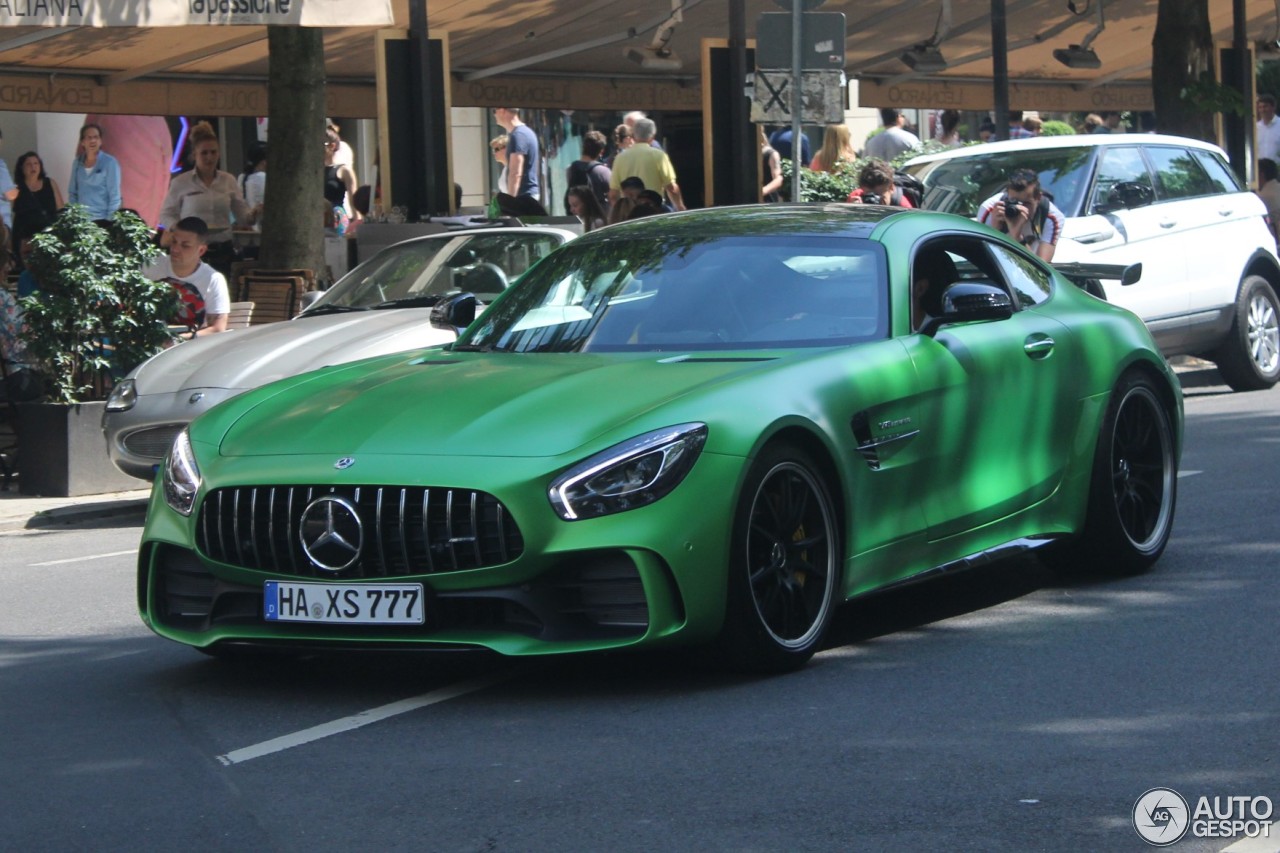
(629, 475)
(181, 475)
(124, 396)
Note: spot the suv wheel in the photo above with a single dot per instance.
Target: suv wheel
(1249, 359)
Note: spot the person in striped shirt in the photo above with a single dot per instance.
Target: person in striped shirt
(1025, 211)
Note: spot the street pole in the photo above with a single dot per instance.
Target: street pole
(797, 102)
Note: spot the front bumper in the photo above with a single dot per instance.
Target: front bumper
(139, 439)
(650, 576)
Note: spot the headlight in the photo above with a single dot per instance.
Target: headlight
(123, 397)
(181, 475)
(632, 474)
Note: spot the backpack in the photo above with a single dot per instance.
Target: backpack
(190, 311)
(910, 186)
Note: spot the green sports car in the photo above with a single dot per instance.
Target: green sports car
(704, 429)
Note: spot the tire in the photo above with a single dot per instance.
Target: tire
(784, 565)
(1133, 490)
(1249, 360)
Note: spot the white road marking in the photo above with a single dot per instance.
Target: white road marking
(89, 557)
(364, 718)
(1182, 474)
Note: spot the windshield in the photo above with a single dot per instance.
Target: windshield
(415, 270)
(692, 294)
(961, 184)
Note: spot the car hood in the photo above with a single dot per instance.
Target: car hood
(472, 404)
(247, 358)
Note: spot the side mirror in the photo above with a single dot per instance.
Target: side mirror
(308, 299)
(1131, 275)
(1128, 195)
(970, 301)
(455, 312)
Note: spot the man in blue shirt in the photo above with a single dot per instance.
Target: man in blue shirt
(780, 141)
(523, 165)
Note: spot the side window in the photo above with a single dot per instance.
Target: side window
(1122, 164)
(1179, 173)
(1031, 285)
(1220, 175)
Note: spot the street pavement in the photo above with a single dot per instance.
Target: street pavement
(23, 511)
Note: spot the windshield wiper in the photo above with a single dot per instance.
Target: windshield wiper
(425, 299)
(330, 309)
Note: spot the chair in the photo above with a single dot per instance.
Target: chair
(241, 314)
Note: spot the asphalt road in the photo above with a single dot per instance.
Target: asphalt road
(1001, 710)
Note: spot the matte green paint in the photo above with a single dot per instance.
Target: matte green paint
(1004, 450)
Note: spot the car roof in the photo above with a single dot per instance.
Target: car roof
(1044, 143)
(810, 218)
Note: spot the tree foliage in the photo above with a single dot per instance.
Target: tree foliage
(96, 315)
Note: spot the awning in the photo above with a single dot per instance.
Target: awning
(187, 13)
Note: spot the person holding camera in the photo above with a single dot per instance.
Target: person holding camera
(1026, 213)
(875, 186)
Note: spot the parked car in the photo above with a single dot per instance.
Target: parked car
(705, 428)
(381, 306)
(1209, 269)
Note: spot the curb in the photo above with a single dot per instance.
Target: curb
(74, 514)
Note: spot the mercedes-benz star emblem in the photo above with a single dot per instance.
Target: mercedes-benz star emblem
(331, 533)
(344, 463)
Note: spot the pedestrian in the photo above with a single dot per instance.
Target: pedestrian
(1269, 190)
(780, 141)
(1026, 213)
(184, 265)
(339, 186)
(651, 166)
(630, 120)
(523, 161)
(1092, 122)
(1016, 130)
(770, 171)
(836, 149)
(344, 156)
(622, 140)
(8, 192)
(498, 145)
(588, 170)
(581, 202)
(253, 180)
(95, 176)
(37, 204)
(987, 131)
(1110, 123)
(209, 194)
(1268, 128)
(949, 129)
(893, 140)
(1032, 125)
(875, 186)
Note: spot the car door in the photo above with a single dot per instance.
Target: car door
(1146, 234)
(998, 399)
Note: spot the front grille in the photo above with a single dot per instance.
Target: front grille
(153, 442)
(406, 531)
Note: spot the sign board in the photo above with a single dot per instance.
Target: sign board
(821, 40)
(185, 13)
(978, 95)
(821, 97)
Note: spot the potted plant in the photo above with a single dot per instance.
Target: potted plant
(93, 319)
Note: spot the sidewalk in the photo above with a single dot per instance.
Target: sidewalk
(18, 511)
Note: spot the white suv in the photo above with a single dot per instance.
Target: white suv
(1209, 268)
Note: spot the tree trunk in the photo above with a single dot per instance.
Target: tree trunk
(293, 209)
(1181, 50)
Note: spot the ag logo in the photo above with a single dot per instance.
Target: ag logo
(1161, 816)
(331, 533)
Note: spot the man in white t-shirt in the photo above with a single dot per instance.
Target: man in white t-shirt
(183, 264)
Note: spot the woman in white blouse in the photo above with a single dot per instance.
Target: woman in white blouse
(210, 194)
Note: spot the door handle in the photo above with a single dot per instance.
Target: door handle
(1168, 223)
(1225, 213)
(1038, 348)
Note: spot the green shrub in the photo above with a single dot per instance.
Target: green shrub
(95, 316)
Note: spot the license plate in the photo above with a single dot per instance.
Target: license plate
(346, 604)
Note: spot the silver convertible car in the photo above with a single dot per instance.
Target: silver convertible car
(380, 307)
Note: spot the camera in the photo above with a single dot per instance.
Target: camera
(1011, 209)
(872, 198)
